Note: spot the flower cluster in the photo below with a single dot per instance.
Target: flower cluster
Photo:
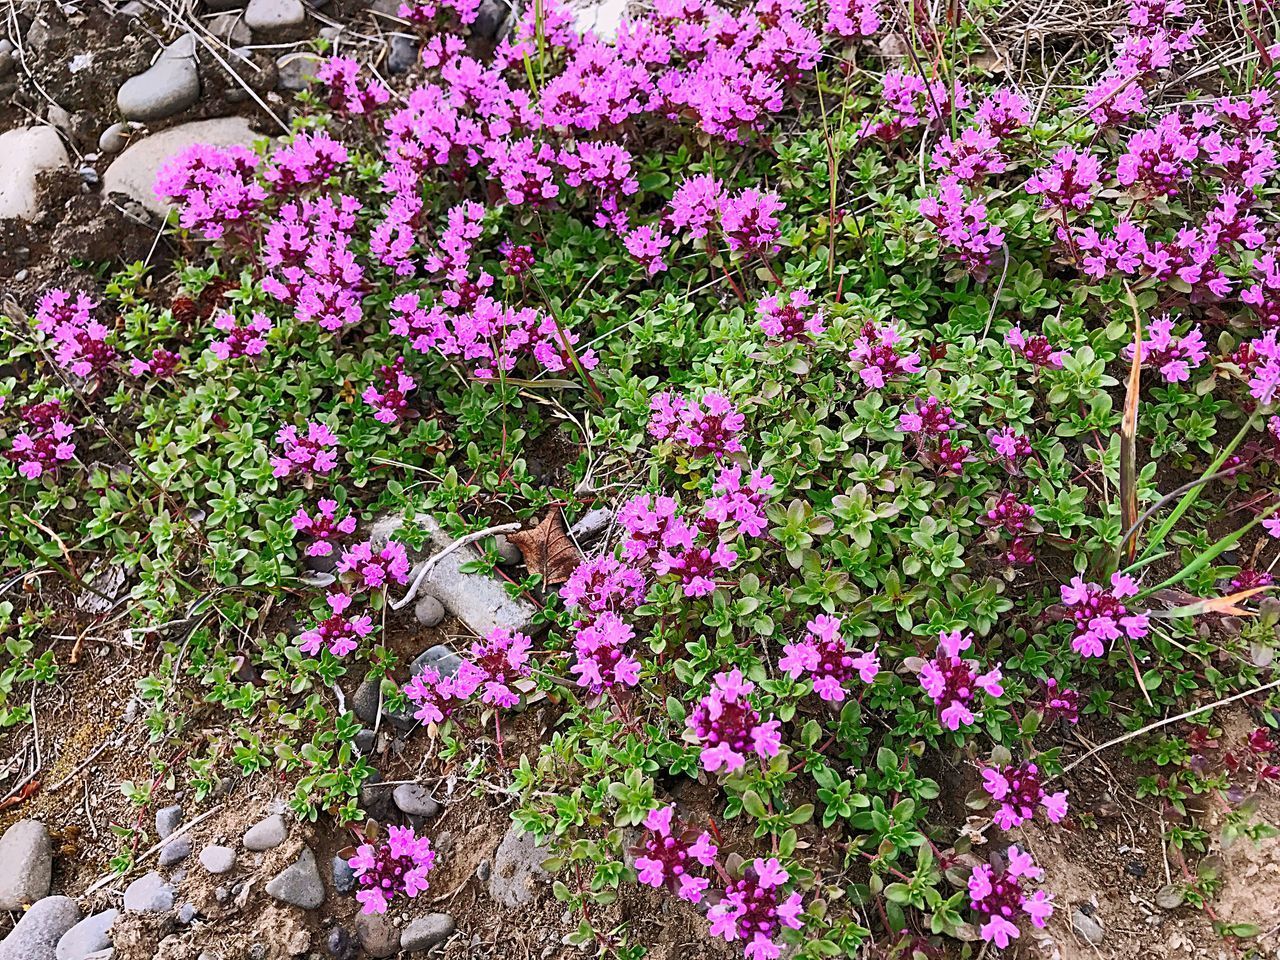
(348, 92)
(601, 660)
(389, 396)
(708, 426)
(81, 342)
(242, 339)
(880, 354)
(962, 226)
(728, 727)
(324, 526)
(215, 189)
(373, 571)
(1035, 349)
(998, 897)
(789, 316)
(604, 584)
(670, 853)
(756, 908)
(1100, 614)
(45, 443)
(313, 452)
(1174, 356)
(954, 683)
(338, 634)
(740, 501)
(1059, 702)
(162, 365)
(398, 865)
(310, 159)
(1017, 788)
(825, 656)
(495, 666)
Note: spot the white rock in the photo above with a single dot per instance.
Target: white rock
(169, 86)
(601, 17)
(275, 16)
(133, 173)
(24, 153)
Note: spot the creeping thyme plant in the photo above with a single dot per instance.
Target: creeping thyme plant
(934, 416)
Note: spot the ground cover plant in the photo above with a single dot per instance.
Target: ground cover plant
(934, 419)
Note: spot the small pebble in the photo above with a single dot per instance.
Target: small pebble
(217, 859)
(413, 799)
(175, 851)
(266, 834)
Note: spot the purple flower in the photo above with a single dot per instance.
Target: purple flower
(740, 503)
(788, 316)
(46, 442)
(1068, 182)
(601, 659)
(709, 426)
(496, 664)
(214, 188)
(695, 206)
(749, 221)
(879, 355)
(755, 909)
(337, 634)
(1036, 349)
(162, 365)
(397, 866)
(388, 397)
(324, 527)
(604, 584)
(242, 340)
(1017, 789)
(962, 227)
(373, 571)
(314, 452)
(953, 683)
(998, 897)
(670, 853)
(432, 694)
(1175, 357)
(729, 728)
(826, 657)
(81, 344)
(1100, 615)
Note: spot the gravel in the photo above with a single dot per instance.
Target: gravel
(344, 878)
(275, 17)
(24, 153)
(413, 799)
(175, 851)
(218, 859)
(168, 819)
(425, 932)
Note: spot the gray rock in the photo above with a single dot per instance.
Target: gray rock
(60, 118)
(168, 819)
(364, 702)
(517, 869)
(295, 70)
(133, 9)
(402, 55)
(37, 934)
(425, 932)
(88, 936)
(365, 741)
(6, 57)
(266, 834)
(24, 153)
(133, 173)
(1088, 926)
(217, 859)
(603, 18)
(378, 935)
(340, 944)
(344, 878)
(231, 29)
(445, 661)
(149, 894)
(483, 871)
(491, 17)
(175, 851)
(169, 86)
(27, 855)
(429, 611)
(186, 914)
(508, 552)
(275, 17)
(107, 954)
(413, 799)
(299, 884)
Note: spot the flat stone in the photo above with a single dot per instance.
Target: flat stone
(378, 935)
(26, 853)
(1088, 927)
(149, 894)
(88, 936)
(133, 173)
(217, 859)
(299, 884)
(478, 600)
(429, 611)
(425, 932)
(294, 71)
(517, 869)
(231, 29)
(37, 934)
(169, 86)
(266, 834)
(175, 851)
(24, 153)
(168, 819)
(413, 799)
(273, 17)
(444, 659)
(344, 878)
(403, 54)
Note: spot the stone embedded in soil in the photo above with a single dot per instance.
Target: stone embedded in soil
(25, 153)
(6, 57)
(445, 661)
(402, 55)
(344, 878)
(90, 935)
(133, 173)
(1088, 927)
(429, 611)
(507, 551)
(230, 29)
(299, 884)
(149, 894)
(340, 944)
(169, 86)
(517, 869)
(175, 851)
(364, 702)
(186, 914)
(295, 70)
(425, 932)
(378, 935)
(266, 834)
(275, 17)
(413, 799)
(115, 138)
(491, 17)
(26, 854)
(168, 819)
(217, 859)
(37, 934)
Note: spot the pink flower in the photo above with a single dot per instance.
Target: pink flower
(46, 442)
(709, 426)
(1017, 789)
(755, 909)
(738, 502)
(314, 452)
(337, 634)
(670, 854)
(1035, 349)
(962, 227)
(788, 316)
(81, 344)
(432, 694)
(496, 663)
(389, 397)
(729, 728)
(1068, 182)
(324, 527)
(749, 221)
(1175, 357)
(601, 659)
(695, 206)
(953, 683)
(242, 340)
(848, 19)
(373, 571)
(604, 584)
(826, 657)
(879, 355)
(398, 865)
(998, 897)
(1100, 615)
(348, 93)
(214, 188)
(162, 365)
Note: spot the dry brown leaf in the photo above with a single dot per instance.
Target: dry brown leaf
(547, 549)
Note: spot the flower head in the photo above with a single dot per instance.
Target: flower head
(729, 727)
(954, 683)
(398, 865)
(671, 853)
(826, 657)
(998, 897)
(755, 909)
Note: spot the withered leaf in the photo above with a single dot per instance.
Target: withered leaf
(547, 549)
